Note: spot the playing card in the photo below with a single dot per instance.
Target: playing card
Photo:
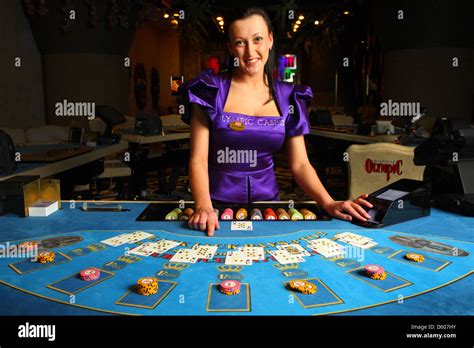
(241, 226)
(205, 251)
(185, 255)
(142, 250)
(367, 245)
(349, 237)
(284, 257)
(253, 253)
(117, 240)
(138, 236)
(326, 247)
(294, 249)
(164, 245)
(237, 258)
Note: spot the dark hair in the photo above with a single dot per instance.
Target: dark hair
(243, 14)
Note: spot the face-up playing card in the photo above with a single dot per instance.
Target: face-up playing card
(117, 240)
(237, 258)
(185, 255)
(294, 249)
(138, 236)
(164, 245)
(253, 253)
(205, 251)
(326, 247)
(241, 226)
(284, 257)
(355, 240)
(144, 249)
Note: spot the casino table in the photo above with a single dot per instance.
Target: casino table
(441, 285)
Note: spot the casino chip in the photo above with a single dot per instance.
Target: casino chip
(89, 274)
(282, 214)
(174, 214)
(256, 214)
(230, 287)
(295, 214)
(269, 214)
(241, 214)
(302, 286)
(375, 272)
(186, 214)
(147, 286)
(46, 257)
(308, 214)
(227, 214)
(415, 257)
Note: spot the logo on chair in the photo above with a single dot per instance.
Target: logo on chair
(387, 167)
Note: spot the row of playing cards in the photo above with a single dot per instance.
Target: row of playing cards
(326, 247)
(195, 253)
(355, 240)
(127, 238)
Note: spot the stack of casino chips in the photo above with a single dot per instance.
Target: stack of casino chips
(89, 274)
(186, 214)
(303, 286)
(375, 272)
(282, 214)
(256, 214)
(295, 214)
(46, 257)
(241, 214)
(230, 287)
(269, 214)
(308, 214)
(147, 286)
(174, 214)
(227, 214)
(415, 257)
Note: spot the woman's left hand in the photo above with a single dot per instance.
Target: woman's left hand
(345, 210)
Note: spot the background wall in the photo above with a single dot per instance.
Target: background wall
(21, 89)
(155, 45)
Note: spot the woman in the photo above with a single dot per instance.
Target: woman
(241, 119)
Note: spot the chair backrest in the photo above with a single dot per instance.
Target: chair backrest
(374, 166)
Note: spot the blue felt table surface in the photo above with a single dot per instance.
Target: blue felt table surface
(430, 294)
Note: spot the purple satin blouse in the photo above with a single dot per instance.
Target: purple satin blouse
(241, 147)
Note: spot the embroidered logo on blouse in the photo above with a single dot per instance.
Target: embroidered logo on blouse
(237, 126)
(237, 156)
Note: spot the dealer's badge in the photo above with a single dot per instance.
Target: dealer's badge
(237, 126)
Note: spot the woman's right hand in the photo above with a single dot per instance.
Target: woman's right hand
(204, 219)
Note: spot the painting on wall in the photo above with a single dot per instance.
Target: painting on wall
(176, 82)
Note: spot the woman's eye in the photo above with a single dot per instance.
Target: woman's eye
(239, 43)
(259, 38)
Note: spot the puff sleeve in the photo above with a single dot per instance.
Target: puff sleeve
(202, 90)
(297, 123)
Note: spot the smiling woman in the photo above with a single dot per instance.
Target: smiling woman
(227, 106)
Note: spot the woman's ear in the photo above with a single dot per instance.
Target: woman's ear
(270, 38)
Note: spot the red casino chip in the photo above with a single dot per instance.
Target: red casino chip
(230, 287)
(374, 269)
(269, 214)
(89, 274)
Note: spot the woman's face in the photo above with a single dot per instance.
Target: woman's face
(250, 43)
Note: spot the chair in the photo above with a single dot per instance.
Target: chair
(373, 166)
